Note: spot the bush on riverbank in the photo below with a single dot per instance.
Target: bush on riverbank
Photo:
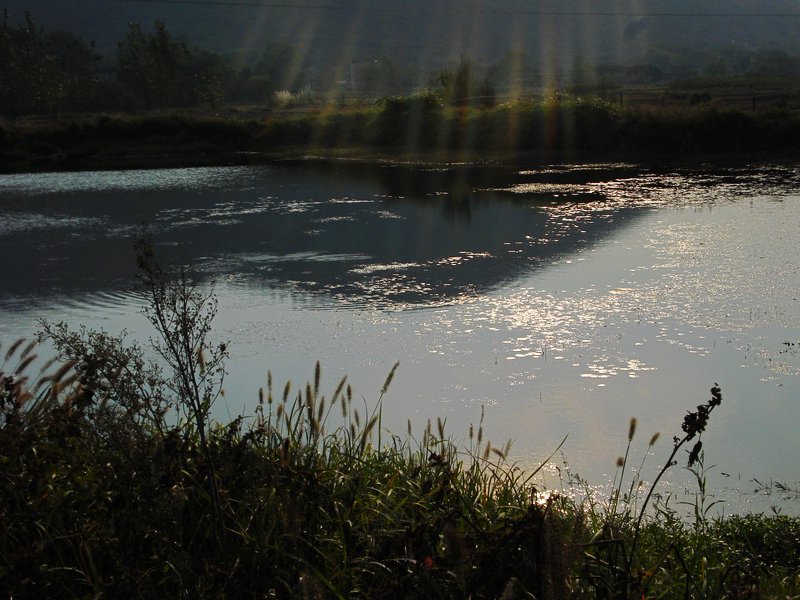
(557, 128)
(116, 482)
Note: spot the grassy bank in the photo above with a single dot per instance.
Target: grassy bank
(420, 127)
(115, 482)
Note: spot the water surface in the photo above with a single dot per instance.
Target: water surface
(563, 300)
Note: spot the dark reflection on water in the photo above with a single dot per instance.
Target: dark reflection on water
(383, 235)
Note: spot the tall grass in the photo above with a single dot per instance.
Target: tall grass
(115, 483)
(97, 505)
(313, 506)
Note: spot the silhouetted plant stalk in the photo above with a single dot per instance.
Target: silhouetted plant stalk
(182, 316)
(694, 424)
(622, 463)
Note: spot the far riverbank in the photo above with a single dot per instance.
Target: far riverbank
(407, 129)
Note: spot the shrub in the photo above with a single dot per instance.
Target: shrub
(410, 122)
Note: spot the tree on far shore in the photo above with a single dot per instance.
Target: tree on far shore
(30, 79)
(150, 64)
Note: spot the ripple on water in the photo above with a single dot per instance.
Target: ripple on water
(29, 184)
(21, 222)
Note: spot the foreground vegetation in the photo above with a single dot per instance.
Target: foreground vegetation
(116, 482)
(418, 127)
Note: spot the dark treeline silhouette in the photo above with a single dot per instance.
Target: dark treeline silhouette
(54, 72)
(51, 72)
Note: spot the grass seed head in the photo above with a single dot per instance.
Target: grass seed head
(63, 370)
(25, 364)
(286, 390)
(338, 391)
(28, 349)
(370, 425)
(321, 409)
(49, 364)
(389, 378)
(13, 348)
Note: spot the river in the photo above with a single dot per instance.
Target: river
(562, 301)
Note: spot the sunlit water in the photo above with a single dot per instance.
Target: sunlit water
(563, 301)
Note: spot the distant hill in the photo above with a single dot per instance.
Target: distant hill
(426, 34)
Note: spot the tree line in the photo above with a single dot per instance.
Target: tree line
(56, 72)
(52, 72)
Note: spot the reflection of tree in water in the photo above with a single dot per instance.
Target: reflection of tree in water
(457, 184)
(395, 234)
